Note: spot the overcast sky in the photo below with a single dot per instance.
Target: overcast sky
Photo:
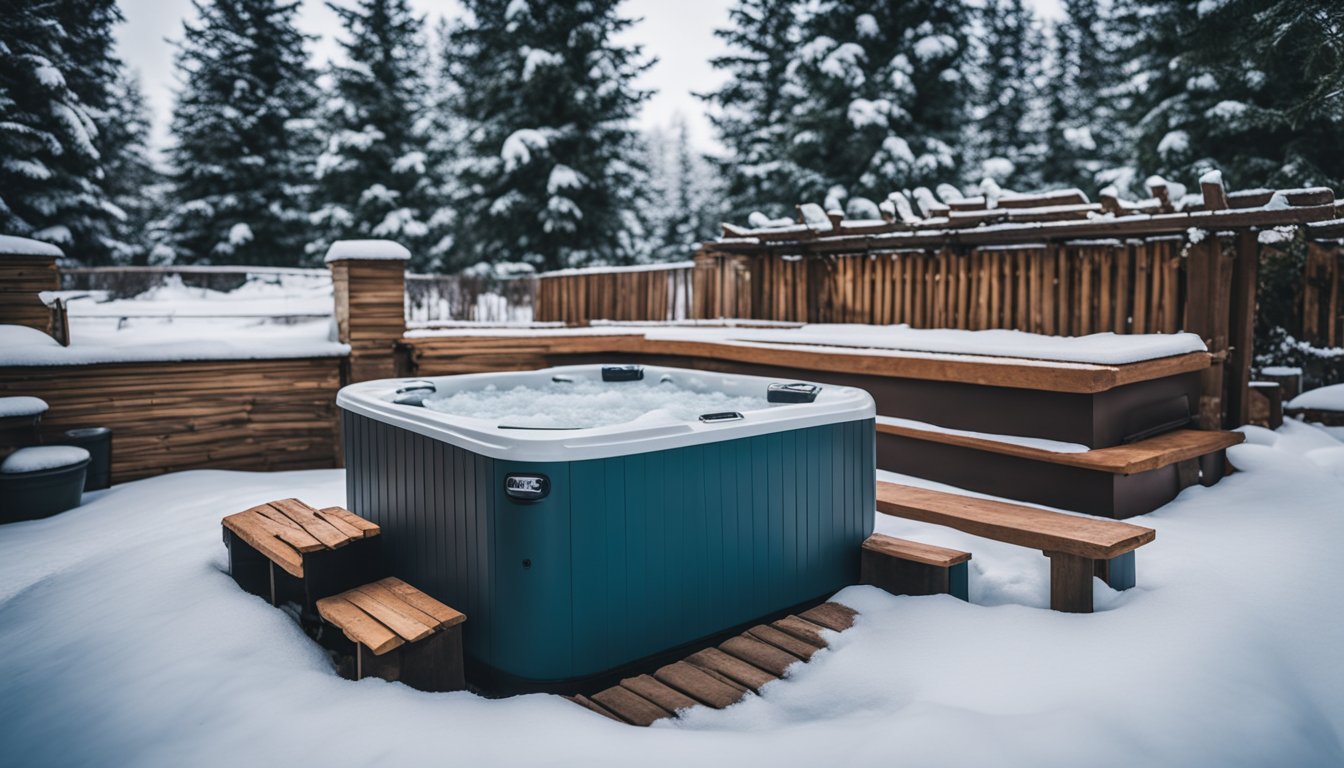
(680, 33)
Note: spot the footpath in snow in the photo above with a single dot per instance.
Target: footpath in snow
(124, 642)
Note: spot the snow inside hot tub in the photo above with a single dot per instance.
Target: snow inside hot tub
(584, 404)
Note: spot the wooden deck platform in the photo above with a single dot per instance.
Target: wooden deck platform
(722, 676)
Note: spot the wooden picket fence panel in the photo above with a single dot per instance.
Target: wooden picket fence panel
(1323, 294)
(642, 293)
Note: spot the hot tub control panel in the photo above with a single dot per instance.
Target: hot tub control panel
(527, 487)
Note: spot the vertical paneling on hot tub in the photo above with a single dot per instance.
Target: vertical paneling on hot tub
(433, 501)
(628, 556)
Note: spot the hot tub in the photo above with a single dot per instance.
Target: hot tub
(586, 518)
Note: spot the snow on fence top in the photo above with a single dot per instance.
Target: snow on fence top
(618, 270)
(22, 246)
(999, 217)
(374, 250)
(24, 346)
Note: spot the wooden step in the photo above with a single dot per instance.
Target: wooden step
(722, 676)
(1117, 482)
(904, 567)
(1142, 456)
(1079, 547)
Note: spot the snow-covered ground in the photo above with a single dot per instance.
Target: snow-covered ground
(123, 641)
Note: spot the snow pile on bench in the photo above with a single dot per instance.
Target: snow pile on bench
(588, 404)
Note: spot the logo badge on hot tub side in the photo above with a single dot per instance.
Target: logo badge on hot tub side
(527, 487)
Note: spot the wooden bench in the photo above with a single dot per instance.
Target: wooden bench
(904, 567)
(399, 634)
(288, 551)
(1079, 548)
(1117, 482)
(720, 677)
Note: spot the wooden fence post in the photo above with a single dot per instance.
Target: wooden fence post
(1245, 276)
(26, 268)
(1208, 278)
(369, 283)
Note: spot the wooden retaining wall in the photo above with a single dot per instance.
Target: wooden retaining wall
(171, 416)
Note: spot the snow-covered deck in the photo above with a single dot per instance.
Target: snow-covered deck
(123, 640)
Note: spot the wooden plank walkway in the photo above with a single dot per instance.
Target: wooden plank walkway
(722, 676)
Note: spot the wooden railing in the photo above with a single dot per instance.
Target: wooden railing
(1323, 287)
(469, 298)
(654, 292)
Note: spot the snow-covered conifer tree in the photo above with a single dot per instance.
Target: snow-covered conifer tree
(748, 111)
(549, 172)
(878, 99)
(373, 174)
(243, 132)
(1007, 125)
(1085, 138)
(1252, 87)
(56, 67)
(133, 183)
(685, 204)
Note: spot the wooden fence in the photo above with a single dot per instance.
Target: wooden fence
(1323, 290)
(470, 298)
(655, 292)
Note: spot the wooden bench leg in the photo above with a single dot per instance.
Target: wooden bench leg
(249, 568)
(1211, 467)
(1118, 572)
(1071, 582)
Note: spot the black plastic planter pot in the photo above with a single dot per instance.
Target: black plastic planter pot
(31, 495)
(98, 442)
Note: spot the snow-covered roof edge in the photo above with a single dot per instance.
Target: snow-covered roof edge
(373, 250)
(22, 246)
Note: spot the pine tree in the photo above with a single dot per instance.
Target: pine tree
(55, 70)
(1252, 87)
(1006, 134)
(549, 172)
(749, 111)
(372, 178)
(244, 137)
(878, 98)
(1085, 139)
(686, 194)
(133, 183)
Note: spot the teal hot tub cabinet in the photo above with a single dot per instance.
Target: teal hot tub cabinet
(576, 546)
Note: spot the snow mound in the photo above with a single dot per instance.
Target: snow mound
(375, 250)
(21, 405)
(1329, 398)
(22, 246)
(587, 404)
(42, 457)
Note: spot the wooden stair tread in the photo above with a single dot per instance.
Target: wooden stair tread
(783, 641)
(833, 616)
(1145, 455)
(919, 552)
(286, 529)
(802, 629)
(630, 706)
(731, 667)
(357, 625)
(698, 684)
(669, 699)
(377, 614)
(759, 654)
(1013, 523)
